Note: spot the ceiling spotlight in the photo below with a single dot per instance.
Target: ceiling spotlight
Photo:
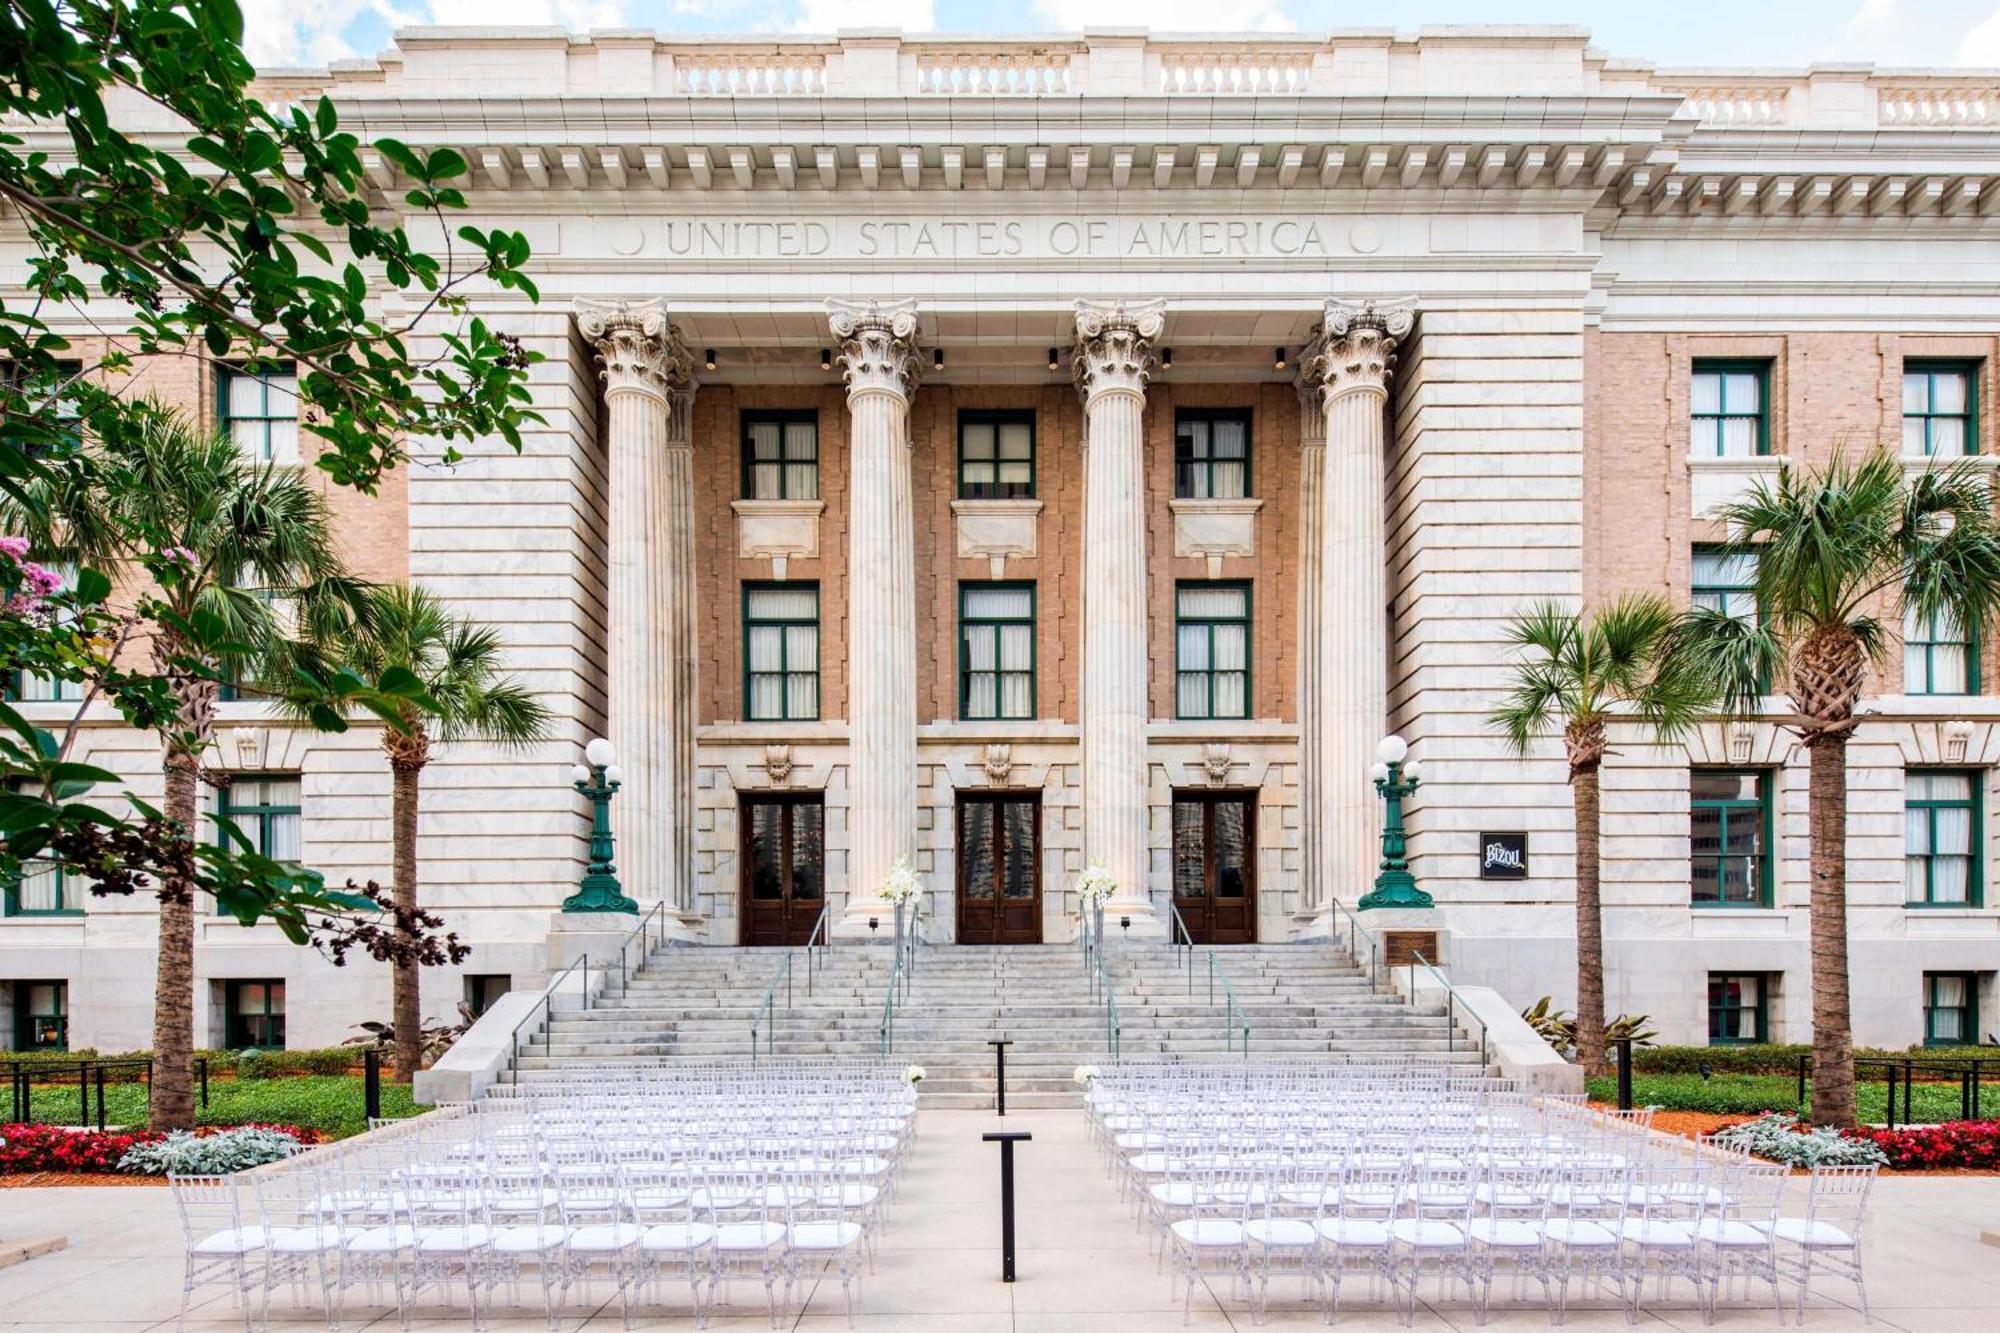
(826, 358)
(937, 358)
(1167, 358)
(1055, 359)
(1278, 359)
(708, 358)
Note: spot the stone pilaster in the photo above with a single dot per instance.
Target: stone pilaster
(1114, 358)
(879, 361)
(1311, 898)
(650, 650)
(1352, 368)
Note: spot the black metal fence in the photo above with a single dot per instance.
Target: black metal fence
(89, 1077)
(1907, 1073)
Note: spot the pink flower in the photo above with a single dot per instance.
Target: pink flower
(16, 547)
(179, 555)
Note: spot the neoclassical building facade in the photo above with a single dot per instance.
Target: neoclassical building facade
(1006, 456)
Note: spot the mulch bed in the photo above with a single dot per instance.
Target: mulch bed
(43, 1179)
(1688, 1124)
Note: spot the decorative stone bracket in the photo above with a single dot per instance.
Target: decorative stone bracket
(997, 529)
(777, 530)
(1215, 529)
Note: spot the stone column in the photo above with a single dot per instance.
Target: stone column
(1114, 357)
(1312, 470)
(650, 652)
(879, 360)
(1353, 372)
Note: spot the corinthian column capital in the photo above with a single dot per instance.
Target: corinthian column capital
(1311, 386)
(878, 347)
(1114, 345)
(1359, 352)
(638, 350)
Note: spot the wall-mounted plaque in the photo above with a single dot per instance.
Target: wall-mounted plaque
(1409, 946)
(1503, 856)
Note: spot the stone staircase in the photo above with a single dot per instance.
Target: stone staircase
(1301, 1001)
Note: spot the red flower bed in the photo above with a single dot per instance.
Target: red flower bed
(33, 1148)
(1954, 1144)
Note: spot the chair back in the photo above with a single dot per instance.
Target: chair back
(206, 1205)
(1839, 1196)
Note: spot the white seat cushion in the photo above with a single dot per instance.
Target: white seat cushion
(1823, 1235)
(1208, 1231)
(1281, 1231)
(1426, 1233)
(1657, 1235)
(1174, 1193)
(677, 1237)
(1362, 1232)
(1501, 1232)
(453, 1239)
(749, 1235)
(301, 1240)
(1578, 1232)
(528, 1239)
(825, 1235)
(384, 1240)
(1728, 1232)
(237, 1240)
(604, 1236)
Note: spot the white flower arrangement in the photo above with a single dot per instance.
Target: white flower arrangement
(1083, 1075)
(913, 1075)
(899, 885)
(1095, 885)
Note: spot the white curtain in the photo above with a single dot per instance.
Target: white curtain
(1229, 446)
(802, 460)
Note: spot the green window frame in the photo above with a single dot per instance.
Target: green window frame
(269, 810)
(1729, 409)
(781, 455)
(1729, 838)
(1940, 409)
(231, 689)
(996, 455)
(1725, 580)
(1212, 649)
(253, 1016)
(29, 687)
(781, 652)
(1739, 1008)
(1942, 813)
(1951, 1008)
(1212, 453)
(1938, 656)
(997, 652)
(41, 888)
(41, 1015)
(259, 410)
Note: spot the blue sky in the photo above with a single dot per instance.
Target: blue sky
(1681, 32)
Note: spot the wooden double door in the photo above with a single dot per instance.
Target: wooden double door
(784, 867)
(1215, 865)
(1000, 868)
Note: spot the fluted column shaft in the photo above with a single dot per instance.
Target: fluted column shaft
(1114, 359)
(878, 354)
(1353, 666)
(1312, 472)
(650, 594)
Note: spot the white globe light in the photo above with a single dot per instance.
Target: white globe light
(1392, 749)
(1413, 770)
(613, 773)
(599, 752)
(1380, 772)
(579, 773)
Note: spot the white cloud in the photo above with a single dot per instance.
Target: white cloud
(1168, 15)
(284, 32)
(829, 15)
(1981, 47)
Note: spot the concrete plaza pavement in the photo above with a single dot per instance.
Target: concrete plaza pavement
(1083, 1266)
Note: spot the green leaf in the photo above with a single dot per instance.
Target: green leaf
(92, 587)
(399, 155)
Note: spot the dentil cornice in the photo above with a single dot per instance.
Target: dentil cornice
(638, 349)
(878, 349)
(1114, 345)
(1359, 352)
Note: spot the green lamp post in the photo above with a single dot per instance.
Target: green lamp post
(1395, 886)
(600, 890)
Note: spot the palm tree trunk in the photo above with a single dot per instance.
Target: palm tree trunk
(171, 1102)
(406, 1008)
(1833, 1032)
(1589, 925)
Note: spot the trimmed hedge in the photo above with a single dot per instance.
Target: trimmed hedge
(332, 1106)
(328, 1061)
(1754, 1094)
(1784, 1059)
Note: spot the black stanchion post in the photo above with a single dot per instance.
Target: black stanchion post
(371, 1083)
(100, 1099)
(1006, 1142)
(1802, 1083)
(1892, 1095)
(1624, 1045)
(1000, 1045)
(201, 1067)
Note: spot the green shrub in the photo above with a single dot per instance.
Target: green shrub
(1784, 1059)
(331, 1105)
(1754, 1094)
(326, 1061)
(185, 1154)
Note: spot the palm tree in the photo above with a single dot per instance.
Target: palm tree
(457, 664)
(220, 535)
(1832, 547)
(1581, 673)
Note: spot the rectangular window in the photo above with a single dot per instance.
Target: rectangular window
(996, 455)
(266, 808)
(1726, 581)
(260, 411)
(483, 989)
(1941, 839)
(1727, 409)
(781, 652)
(1211, 454)
(284, 618)
(254, 1015)
(43, 888)
(781, 455)
(41, 1015)
(1212, 650)
(1729, 837)
(1939, 657)
(1737, 1015)
(996, 651)
(1940, 410)
(27, 687)
(1951, 1009)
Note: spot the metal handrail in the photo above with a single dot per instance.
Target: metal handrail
(1356, 932)
(1182, 941)
(817, 943)
(1234, 1017)
(658, 909)
(901, 971)
(1100, 984)
(766, 1011)
(1453, 999)
(547, 1004)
